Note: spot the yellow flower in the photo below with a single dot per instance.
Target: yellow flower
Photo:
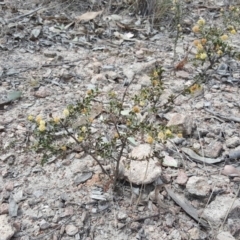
(84, 129)
(149, 139)
(168, 133)
(224, 37)
(201, 22)
(42, 122)
(195, 29)
(154, 83)
(66, 112)
(30, 118)
(90, 120)
(80, 138)
(180, 135)
(196, 42)
(195, 88)
(89, 92)
(64, 148)
(219, 52)
(217, 47)
(136, 109)
(199, 47)
(38, 119)
(203, 41)
(233, 31)
(56, 120)
(161, 136)
(116, 135)
(179, 27)
(112, 94)
(142, 103)
(128, 123)
(155, 74)
(84, 111)
(41, 128)
(202, 56)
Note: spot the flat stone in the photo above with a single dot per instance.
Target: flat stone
(213, 150)
(216, 211)
(9, 186)
(12, 208)
(42, 92)
(6, 229)
(4, 208)
(198, 187)
(71, 230)
(122, 216)
(144, 80)
(183, 122)
(49, 54)
(199, 105)
(225, 236)
(194, 233)
(233, 142)
(234, 227)
(44, 224)
(182, 74)
(182, 177)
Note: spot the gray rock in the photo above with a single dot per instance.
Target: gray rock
(213, 150)
(71, 230)
(6, 229)
(183, 122)
(182, 74)
(18, 196)
(44, 224)
(121, 215)
(170, 219)
(129, 74)
(217, 209)
(82, 177)
(225, 236)
(198, 187)
(35, 33)
(12, 208)
(233, 142)
(49, 54)
(38, 193)
(234, 227)
(144, 80)
(4, 208)
(194, 233)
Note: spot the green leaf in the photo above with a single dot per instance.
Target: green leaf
(125, 112)
(13, 95)
(132, 141)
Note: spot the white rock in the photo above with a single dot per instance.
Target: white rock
(198, 186)
(137, 169)
(225, 236)
(71, 230)
(6, 229)
(122, 216)
(233, 142)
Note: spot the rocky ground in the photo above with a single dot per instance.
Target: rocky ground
(52, 54)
